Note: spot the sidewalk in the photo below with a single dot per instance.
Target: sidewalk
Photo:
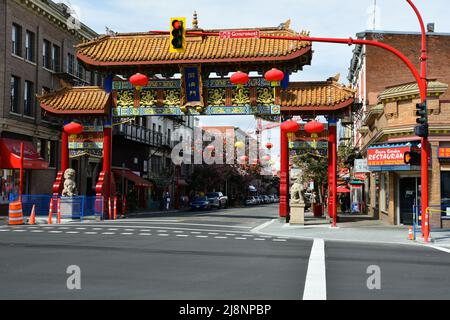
(364, 231)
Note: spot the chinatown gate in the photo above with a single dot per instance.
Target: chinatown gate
(117, 57)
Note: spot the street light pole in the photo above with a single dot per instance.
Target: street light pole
(424, 141)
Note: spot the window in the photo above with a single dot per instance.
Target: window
(15, 88)
(29, 46)
(16, 40)
(56, 58)
(46, 54)
(70, 63)
(28, 99)
(80, 71)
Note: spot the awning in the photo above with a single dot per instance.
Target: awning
(10, 155)
(343, 190)
(131, 176)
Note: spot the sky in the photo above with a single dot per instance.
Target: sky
(328, 18)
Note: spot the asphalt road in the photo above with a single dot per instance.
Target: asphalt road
(207, 255)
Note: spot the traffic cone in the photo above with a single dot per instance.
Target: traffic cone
(50, 212)
(32, 220)
(410, 234)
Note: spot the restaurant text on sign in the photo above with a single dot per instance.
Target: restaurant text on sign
(387, 156)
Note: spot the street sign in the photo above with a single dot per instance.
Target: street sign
(361, 166)
(240, 34)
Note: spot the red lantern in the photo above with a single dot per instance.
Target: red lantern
(269, 145)
(274, 76)
(139, 80)
(244, 159)
(290, 126)
(240, 79)
(314, 127)
(267, 158)
(211, 148)
(73, 128)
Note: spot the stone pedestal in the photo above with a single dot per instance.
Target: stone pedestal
(297, 214)
(70, 208)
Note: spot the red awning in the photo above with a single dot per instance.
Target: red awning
(343, 190)
(10, 155)
(131, 176)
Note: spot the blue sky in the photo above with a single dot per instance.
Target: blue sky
(333, 18)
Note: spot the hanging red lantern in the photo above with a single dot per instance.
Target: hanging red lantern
(290, 126)
(211, 148)
(239, 79)
(139, 81)
(267, 158)
(274, 76)
(314, 128)
(73, 128)
(269, 145)
(244, 159)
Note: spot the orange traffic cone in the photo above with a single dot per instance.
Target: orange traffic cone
(410, 234)
(32, 220)
(50, 212)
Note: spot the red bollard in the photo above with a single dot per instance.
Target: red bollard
(50, 212)
(109, 209)
(59, 211)
(115, 208)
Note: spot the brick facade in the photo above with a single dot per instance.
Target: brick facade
(44, 21)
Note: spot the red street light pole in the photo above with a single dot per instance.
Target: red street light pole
(424, 141)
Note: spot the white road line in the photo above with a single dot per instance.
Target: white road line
(196, 232)
(182, 235)
(213, 233)
(127, 234)
(264, 225)
(240, 238)
(163, 235)
(108, 233)
(259, 239)
(220, 237)
(203, 237)
(4, 230)
(113, 229)
(72, 232)
(162, 231)
(316, 282)
(178, 232)
(91, 232)
(37, 231)
(186, 224)
(145, 234)
(447, 250)
(230, 234)
(80, 228)
(54, 231)
(279, 240)
(20, 230)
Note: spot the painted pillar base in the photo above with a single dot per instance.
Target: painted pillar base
(297, 214)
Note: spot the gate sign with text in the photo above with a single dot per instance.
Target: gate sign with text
(240, 34)
(388, 158)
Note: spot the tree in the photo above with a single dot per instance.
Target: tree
(315, 168)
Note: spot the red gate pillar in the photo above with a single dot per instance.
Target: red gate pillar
(333, 171)
(107, 157)
(64, 151)
(284, 175)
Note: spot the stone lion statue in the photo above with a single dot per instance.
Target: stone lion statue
(70, 187)
(297, 190)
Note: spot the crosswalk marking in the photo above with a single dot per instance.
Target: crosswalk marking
(315, 284)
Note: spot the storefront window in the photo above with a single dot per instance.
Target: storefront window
(445, 190)
(9, 184)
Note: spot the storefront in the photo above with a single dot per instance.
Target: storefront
(397, 185)
(10, 164)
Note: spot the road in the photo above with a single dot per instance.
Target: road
(208, 255)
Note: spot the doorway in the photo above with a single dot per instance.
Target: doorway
(410, 196)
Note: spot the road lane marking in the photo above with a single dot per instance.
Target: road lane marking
(316, 282)
(54, 231)
(182, 235)
(80, 228)
(263, 226)
(127, 234)
(37, 231)
(72, 232)
(279, 240)
(238, 238)
(19, 230)
(447, 250)
(259, 239)
(145, 234)
(163, 235)
(108, 233)
(203, 237)
(186, 224)
(89, 232)
(220, 237)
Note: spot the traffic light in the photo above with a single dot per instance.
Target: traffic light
(413, 158)
(177, 35)
(421, 130)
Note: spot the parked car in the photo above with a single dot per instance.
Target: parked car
(200, 203)
(272, 199)
(218, 200)
(267, 200)
(250, 201)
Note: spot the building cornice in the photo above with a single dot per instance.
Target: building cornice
(56, 17)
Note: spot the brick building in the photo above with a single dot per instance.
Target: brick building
(384, 126)
(37, 52)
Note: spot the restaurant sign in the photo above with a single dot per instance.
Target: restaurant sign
(388, 158)
(444, 153)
